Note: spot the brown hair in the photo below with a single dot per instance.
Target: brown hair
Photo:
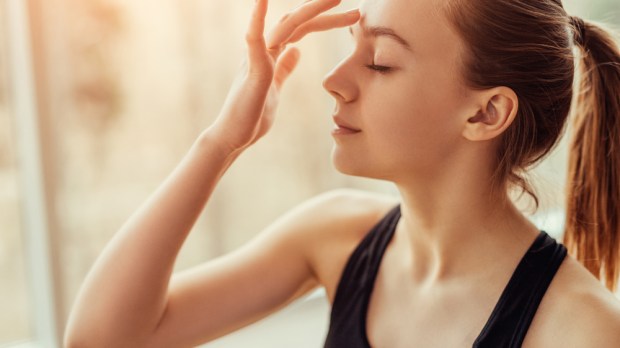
(529, 46)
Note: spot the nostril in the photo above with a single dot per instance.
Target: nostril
(334, 95)
(338, 96)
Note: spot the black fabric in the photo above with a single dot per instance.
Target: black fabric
(505, 328)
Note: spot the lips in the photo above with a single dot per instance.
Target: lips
(345, 126)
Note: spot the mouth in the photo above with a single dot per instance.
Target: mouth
(343, 127)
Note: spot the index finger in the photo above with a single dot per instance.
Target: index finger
(323, 23)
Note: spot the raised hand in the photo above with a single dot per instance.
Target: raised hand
(249, 109)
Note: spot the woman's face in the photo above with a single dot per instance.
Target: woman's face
(404, 93)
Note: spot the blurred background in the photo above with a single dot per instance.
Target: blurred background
(100, 99)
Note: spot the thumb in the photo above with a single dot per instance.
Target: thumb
(285, 66)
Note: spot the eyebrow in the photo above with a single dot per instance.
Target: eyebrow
(377, 31)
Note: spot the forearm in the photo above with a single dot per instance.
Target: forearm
(124, 294)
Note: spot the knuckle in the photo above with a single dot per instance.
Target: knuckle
(285, 17)
(275, 48)
(290, 20)
(294, 23)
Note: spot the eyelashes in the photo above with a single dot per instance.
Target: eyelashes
(379, 68)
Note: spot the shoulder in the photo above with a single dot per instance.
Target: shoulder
(577, 311)
(338, 211)
(331, 225)
(354, 204)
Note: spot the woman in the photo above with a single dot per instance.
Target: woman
(449, 99)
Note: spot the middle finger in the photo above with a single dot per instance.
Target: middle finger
(297, 17)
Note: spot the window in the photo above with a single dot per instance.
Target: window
(15, 314)
(32, 296)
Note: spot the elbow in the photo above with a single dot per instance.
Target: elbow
(73, 338)
(76, 338)
(78, 333)
(71, 341)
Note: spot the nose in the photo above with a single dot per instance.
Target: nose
(339, 83)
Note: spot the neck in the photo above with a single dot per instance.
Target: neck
(454, 227)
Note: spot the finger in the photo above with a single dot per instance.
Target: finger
(254, 37)
(325, 22)
(300, 5)
(285, 66)
(297, 17)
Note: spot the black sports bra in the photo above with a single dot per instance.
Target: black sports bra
(505, 328)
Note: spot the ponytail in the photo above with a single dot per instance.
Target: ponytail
(592, 233)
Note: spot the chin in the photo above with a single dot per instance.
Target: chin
(353, 164)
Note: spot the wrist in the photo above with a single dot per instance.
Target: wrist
(212, 140)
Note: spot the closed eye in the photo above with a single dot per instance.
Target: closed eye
(379, 68)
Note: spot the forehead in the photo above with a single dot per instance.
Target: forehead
(420, 22)
(406, 8)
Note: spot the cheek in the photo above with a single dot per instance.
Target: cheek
(417, 120)
(422, 113)
(436, 94)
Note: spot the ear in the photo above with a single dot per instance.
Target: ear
(495, 110)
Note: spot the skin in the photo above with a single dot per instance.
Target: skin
(417, 125)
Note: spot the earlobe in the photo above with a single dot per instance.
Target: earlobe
(497, 109)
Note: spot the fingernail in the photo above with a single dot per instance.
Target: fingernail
(353, 11)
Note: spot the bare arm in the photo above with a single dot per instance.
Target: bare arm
(127, 299)
(125, 291)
